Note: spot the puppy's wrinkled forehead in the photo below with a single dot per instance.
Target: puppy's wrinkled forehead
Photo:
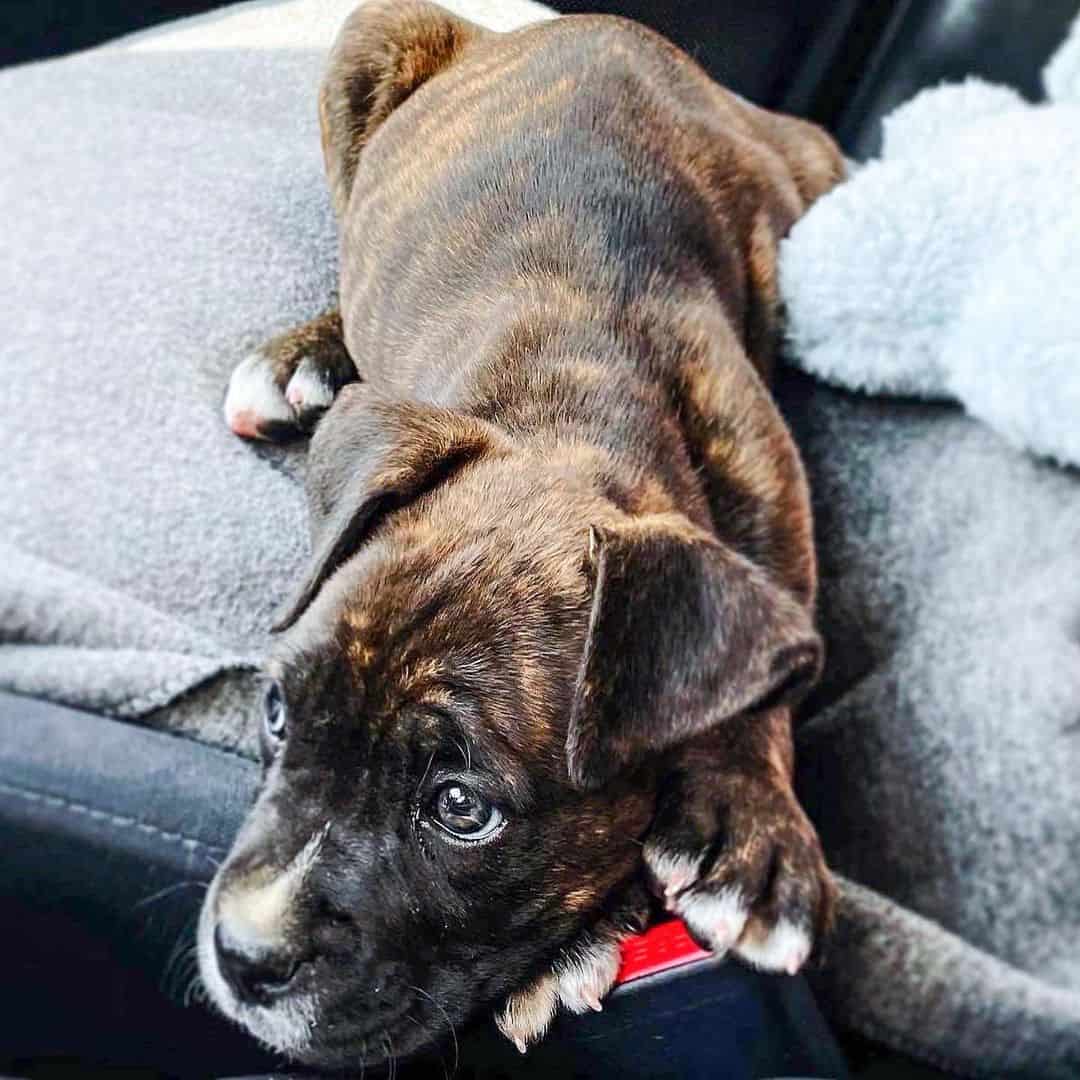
(423, 641)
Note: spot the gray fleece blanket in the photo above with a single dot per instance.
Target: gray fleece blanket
(163, 211)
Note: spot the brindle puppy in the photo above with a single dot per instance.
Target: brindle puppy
(562, 587)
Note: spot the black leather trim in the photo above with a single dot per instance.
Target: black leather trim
(108, 833)
(930, 41)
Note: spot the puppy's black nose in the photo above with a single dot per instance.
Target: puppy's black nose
(256, 974)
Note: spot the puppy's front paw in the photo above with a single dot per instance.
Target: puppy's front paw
(281, 390)
(255, 405)
(579, 979)
(740, 863)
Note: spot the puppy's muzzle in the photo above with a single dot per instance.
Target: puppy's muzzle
(258, 971)
(260, 940)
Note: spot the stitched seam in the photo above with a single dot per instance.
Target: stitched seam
(247, 757)
(116, 820)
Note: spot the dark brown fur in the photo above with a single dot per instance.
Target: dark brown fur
(560, 504)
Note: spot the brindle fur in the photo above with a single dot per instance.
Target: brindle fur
(562, 536)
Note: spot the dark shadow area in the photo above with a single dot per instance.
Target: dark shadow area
(36, 29)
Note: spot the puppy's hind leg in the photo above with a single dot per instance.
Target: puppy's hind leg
(281, 389)
(383, 52)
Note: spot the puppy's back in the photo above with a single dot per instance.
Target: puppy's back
(586, 152)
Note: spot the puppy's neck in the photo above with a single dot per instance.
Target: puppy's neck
(561, 370)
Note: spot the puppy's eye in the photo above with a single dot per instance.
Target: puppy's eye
(463, 813)
(275, 714)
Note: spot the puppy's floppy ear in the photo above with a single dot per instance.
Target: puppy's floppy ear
(368, 457)
(684, 633)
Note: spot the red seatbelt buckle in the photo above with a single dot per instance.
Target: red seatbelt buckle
(664, 946)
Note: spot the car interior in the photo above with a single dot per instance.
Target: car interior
(109, 830)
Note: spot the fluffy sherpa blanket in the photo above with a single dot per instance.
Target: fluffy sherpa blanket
(164, 210)
(950, 267)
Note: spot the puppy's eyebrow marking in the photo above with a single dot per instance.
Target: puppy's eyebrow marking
(460, 739)
(455, 706)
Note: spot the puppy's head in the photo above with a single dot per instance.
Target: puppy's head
(461, 720)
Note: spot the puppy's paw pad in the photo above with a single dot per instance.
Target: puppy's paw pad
(785, 947)
(255, 407)
(311, 389)
(715, 917)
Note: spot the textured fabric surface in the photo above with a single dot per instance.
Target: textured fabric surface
(949, 267)
(940, 757)
(164, 211)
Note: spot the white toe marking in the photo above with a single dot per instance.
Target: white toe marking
(718, 917)
(309, 388)
(579, 980)
(584, 977)
(526, 1015)
(673, 872)
(785, 948)
(252, 391)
